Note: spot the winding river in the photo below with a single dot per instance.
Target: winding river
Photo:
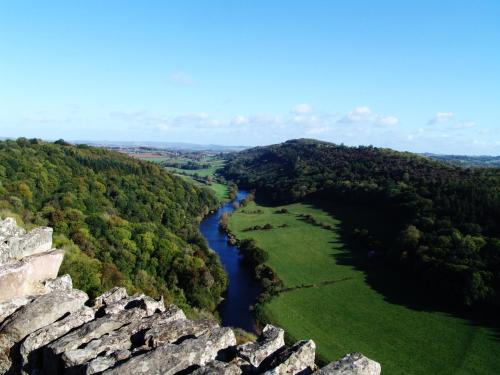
(243, 289)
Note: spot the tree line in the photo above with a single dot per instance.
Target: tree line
(447, 235)
(122, 221)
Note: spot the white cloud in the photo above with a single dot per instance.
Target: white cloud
(302, 109)
(181, 78)
(464, 125)
(240, 120)
(364, 115)
(441, 117)
(389, 120)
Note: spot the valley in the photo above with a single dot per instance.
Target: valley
(328, 297)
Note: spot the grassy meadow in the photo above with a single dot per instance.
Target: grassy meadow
(220, 190)
(330, 300)
(214, 165)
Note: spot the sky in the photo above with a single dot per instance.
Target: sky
(421, 76)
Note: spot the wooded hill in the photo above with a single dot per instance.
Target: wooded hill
(445, 229)
(123, 221)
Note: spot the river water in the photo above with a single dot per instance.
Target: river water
(243, 289)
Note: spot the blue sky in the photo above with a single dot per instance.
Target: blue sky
(418, 76)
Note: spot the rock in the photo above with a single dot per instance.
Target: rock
(94, 329)
(29, 347)
(271, 339)
(43, 311)
(160, 334)
(63, 282)
(7, 308)
(351, 364)
(218, 368)
(110, 297)
(122, 338)
(17, 246)
(150, 305)
(169, 359)
(101, 364)
(298, 359)
(9, 228)
(23, 278)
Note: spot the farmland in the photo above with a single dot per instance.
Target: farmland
(328, 296)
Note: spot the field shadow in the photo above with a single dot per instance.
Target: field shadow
(396, 286)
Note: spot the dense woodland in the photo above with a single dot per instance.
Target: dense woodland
(447, 236)
(122, 221)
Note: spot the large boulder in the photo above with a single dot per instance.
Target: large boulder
(351, 364)
(29, 350)
(128, 335)
(170, 359)
(218, 368)
(111, 296)
(271, 339)
(25, 277)
(7, 308)
(17, 245)
(41, 312)
(298, 359)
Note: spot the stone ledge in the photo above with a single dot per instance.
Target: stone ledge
(24, 278)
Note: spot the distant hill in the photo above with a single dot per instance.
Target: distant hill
(448, 218)
(484, 161)
(123, 221)
(165, 146)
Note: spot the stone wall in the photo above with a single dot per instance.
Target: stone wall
(47, 327)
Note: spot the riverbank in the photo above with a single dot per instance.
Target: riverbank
(326, 296)
(237, 308)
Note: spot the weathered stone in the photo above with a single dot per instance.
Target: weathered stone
(19, 246)
(218, 368)
(150, 305)
(7, 308)
(170, 359)
(84, 334)
(49, 333)
(122, 338)
(9, 228)
(23, 278)
(94, 329)
(63, 282)
(271, 339)
(351, 364)
(43, 311)
(298, 359)
(160, 334)
(102, 363)
(110, 297)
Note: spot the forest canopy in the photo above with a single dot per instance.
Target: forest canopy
(122, 221)
(448, 233)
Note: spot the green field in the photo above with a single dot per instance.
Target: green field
(332, 302)
(220, 190)
(214, 165)
(154, 159)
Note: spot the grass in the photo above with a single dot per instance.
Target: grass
(350, 314)
(154, 159)
(221, 190)
(214, 165)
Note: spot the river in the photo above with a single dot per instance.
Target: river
(243, 289)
